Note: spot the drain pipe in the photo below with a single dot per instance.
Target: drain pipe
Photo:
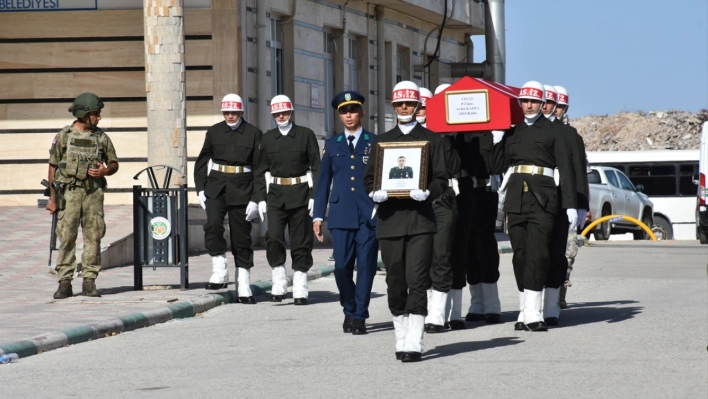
(380, 71)
(494, 67)
(265, 121)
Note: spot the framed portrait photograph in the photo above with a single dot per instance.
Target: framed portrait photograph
(401, 167)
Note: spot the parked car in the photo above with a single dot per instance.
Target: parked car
(612, 193)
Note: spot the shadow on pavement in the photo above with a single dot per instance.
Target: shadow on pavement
(379, 327)
(316, 298)
(471, 346)
(596, 312)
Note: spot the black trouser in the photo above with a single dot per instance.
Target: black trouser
(299, 224)
(446, 218)
(530, 233)
(483, 253)
(559, 243)
(407, 261)
(239, 228)
(463, 235)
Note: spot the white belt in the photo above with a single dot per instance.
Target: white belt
(231, 168)
(454, 185)
(289, 181)
(533, 170)
(478, 183)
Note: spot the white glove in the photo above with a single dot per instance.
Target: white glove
(419, 195)
(497, 135)
(251, 211)
(582, 214)
(262, 210)
(202, 199)
(311, 206)
(378, 196)
(572, 218)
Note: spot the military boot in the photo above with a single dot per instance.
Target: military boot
(64, 291)
(561, 297)
(90, 287)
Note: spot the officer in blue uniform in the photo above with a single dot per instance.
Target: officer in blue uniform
(353, 230)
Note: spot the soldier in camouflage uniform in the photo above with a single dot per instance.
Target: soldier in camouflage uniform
(79, 159)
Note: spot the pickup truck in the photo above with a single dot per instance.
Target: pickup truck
(612, 193)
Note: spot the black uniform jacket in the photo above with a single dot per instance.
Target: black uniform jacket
(291, 155)
(452, 157)
(228, 147)
(579, 164)
(404, 217)
(541, 144)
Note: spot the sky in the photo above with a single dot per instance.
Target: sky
(611, 55)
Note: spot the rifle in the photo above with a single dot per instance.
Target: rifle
(55, 217)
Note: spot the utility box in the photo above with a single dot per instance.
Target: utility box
(160, 225)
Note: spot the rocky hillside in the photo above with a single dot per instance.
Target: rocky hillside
(677, 130)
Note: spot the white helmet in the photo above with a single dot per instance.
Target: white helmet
(442, 87)
(533, 90)
(425, 94)
(281, 103)
(562, 95)
(406, 91)
(232, 102)
(551, 95)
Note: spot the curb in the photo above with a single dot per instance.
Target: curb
(134, 321)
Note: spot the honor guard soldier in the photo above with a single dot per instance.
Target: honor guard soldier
(405, 227)
(482, 252)
(288, 167)
(445, 208)
(79, 159)
(528, 155)
(350, 222)
(580, 164)
(223, 176)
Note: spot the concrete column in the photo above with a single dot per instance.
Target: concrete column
(226, 51)
(165, 84)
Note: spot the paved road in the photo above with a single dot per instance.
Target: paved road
(637, 327)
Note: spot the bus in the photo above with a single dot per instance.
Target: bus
(668, 180)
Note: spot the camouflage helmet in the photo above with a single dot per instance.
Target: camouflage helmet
(85, 103)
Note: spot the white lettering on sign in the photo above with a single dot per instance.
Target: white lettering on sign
(47, 5)
(232, 105)
(562, 98)
(529, 92)
(551, 96)
(284, 106)
(467, 106)
(406, 94)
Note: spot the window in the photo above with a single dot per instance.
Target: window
(594, 177)
(328, 51)
(402, 64)
(686, 174)
(625, 183)
(276, 45)
(612, 178)
(657, 179)
(353, 64)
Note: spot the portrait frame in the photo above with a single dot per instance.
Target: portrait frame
(387, 157)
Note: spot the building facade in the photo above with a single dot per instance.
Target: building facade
(312, 50)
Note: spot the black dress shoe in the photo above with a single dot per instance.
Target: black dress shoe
(300, 301)
(551, 321)
(457, 325)
(277, 298)
(347, 325)
(492, 318)
(474, 317)
(359, 327)
(409, 357)
(434, 328)
(248, 300)
(214, 286)
(537, 326)
(519, 326)
(399, 355)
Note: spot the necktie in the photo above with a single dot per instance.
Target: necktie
(351, 143)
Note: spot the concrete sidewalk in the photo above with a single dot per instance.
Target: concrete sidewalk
(33, 322)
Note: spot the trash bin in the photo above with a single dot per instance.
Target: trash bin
(160, 226)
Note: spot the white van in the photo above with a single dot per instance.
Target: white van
(702, 181)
